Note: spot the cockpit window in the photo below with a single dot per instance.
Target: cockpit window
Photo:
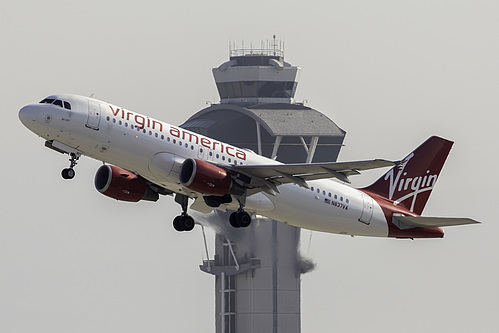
(57, 102)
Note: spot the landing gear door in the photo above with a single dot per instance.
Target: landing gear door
(367, 209)
(94, 112)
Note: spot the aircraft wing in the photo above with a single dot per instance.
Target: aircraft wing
(268, 177)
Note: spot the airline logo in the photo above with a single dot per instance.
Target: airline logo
(402, 186)
(142, 122)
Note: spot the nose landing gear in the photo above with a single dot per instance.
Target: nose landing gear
(69, 173)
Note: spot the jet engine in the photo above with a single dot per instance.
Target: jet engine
(123, 185)
(208, 179)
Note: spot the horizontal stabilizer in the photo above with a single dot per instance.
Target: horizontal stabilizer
(406, 222)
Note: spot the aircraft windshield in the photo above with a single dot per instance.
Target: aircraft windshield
(58, 102)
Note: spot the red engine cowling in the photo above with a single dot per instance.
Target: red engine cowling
(206, 178)
(123, 185)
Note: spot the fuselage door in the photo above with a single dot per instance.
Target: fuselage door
(367, 209)
(94, 111)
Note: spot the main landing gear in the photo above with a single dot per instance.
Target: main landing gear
(69, 173)
(183, 222)
(240, 219)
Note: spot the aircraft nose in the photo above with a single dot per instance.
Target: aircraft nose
(28, 114)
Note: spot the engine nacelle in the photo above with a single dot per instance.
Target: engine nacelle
(208, 179)
(123, 185)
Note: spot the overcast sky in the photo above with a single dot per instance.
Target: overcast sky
(390, 73)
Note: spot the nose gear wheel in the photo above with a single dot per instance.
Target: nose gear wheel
(69, 173)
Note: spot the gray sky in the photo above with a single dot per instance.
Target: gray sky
(390, 73)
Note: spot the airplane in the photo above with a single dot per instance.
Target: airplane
(145, 158)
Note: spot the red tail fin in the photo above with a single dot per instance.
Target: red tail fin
(411, 181)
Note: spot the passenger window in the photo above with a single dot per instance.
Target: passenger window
(67, 105)
(58, 102)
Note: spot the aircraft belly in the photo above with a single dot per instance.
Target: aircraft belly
(258, 202)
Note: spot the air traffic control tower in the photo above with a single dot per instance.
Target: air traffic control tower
(257, 269)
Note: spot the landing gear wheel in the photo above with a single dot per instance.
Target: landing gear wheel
(233, 220)
(177, 223)
(183, 223)
(240, 219)
(243, 219)
(188, 223)
(68, 173)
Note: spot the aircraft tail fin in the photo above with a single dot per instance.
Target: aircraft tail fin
(410, 182)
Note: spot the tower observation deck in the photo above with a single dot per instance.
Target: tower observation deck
(256, 76)
(257, 270)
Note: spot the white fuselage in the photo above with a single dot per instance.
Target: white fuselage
(144, 146)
